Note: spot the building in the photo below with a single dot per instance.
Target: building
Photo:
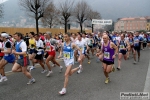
(131, 24)
(148, 23)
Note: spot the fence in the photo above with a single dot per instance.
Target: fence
(11, 30)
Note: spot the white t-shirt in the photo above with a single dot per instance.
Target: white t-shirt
(74, 40)
(118, 38)
(23, 46)
(39, 43)
(81, 44)
(126, 38)
(141, 35)
(86, 40)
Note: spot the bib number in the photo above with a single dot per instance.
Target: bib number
(66, 55)
(48, 48)
(121, 46)
(106, 55)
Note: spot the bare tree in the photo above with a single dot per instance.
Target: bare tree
(35, 8)
(66, 9)
(1, 10)
(50, 16)
(81, 12)
(94, 15)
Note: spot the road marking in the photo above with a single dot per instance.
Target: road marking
(147, 81)
(36, 66)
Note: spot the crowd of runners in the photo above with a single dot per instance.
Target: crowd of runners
(25, 51)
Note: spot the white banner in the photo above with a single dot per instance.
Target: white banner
(102, 22)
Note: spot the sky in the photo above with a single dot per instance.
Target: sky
(113, 9)
(109, 9)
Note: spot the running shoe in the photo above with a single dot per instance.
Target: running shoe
(113, 69)
(31, 81)
(53, 65)
(63, 91)
(118, 68)
(138, 59)
(49, 73)
(75, 62)
(32, 67)
(43, 71)
(134, 62)
(89, 61)
(107, 81)
(61, 68)
(3, 78)
(80, 70)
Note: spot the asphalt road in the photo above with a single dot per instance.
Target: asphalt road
(89, 85)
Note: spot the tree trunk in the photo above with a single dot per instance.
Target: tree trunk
(92, 28)
(50, 25)
(65, 26)
(81, 28)
(37, 26)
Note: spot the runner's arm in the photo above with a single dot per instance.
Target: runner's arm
(114, 47)
(8, 46)
(128, 45)
(60, 54)
(23, 48)
(75, 46)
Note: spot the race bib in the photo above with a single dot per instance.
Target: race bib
(136, 41)
(66, 55)
(106, 55)
(48, 48)
(122, 47)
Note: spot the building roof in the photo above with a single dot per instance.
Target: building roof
(134, 18)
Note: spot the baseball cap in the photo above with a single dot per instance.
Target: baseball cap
(5, 35)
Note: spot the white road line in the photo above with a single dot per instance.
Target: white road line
(147, 82)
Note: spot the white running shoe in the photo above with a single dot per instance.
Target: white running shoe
(63, 91)
(49, 73)
(43, 71)
(3, 78)
(80, 70)
(134, 62)
(31, 81)
(53, 65)
(32, 67)
(61, 68)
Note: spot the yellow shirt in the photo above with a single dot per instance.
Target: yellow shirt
(32, 42)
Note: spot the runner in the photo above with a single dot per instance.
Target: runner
(68, 54)
(144, 42)
(74, 39)
(148, 41)
(81, 44)
(50, 49)
(39, 52)
(123, 48)
(8, 56)
(109, 50)
(23, 61)
(137, 39)
(90, 44)
(131, 45)
(32, 46)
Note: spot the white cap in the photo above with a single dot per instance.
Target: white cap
(5, 35)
